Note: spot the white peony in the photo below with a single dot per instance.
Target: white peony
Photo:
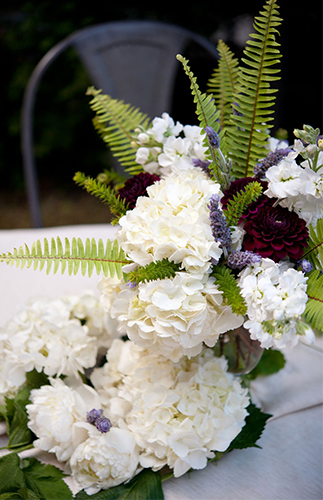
(179, 412)
(53, 412)
(275, 294)
(174, 315)
(104, 460)
(172, 222)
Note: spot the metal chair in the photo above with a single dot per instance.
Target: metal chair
(130, 60)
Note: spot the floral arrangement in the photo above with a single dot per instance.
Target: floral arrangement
(215, 268)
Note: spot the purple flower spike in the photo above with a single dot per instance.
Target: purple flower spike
(93, 415)
(214, 139)
(238, 260)
(220, 230)
(103, 424)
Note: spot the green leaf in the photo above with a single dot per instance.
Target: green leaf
(45, 480)
(247, 135)
(271, 362)
(222, 86)
(145, 486)
(36, 379)
(314, 306)
(153, 271)
(252, 430)
(225, 280)
(20, 436)
(240, 201)
(106, 194)
(75, 257)
(12, 478)
(116, 121)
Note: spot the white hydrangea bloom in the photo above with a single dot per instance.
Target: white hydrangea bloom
(179, 412)
(49, 334)
(275, 294)
(172, 222)
(174, 315)
(104, 460)
(54, 411)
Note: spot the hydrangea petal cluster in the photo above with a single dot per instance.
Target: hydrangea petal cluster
(179, 412)
(59, 336)
(175, 315)
(172, 222)
(275, 294)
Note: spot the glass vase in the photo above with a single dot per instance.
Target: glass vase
(242, 353)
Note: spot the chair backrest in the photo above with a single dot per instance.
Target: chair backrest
(130, 60)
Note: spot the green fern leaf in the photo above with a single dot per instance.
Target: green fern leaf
(222, 86)
(254, 97)
(314, 306)
(116, 122)
(154, 271)
(240, 201)
(314, 251)
(108, 259)
(208, 116)
(107, 195)
(227, 283)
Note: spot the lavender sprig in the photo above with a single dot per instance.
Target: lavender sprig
(219, 227)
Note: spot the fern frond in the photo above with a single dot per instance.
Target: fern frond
(107, 195)
(254, 97)
(314, 251)
(314, 306)
(116, 121)
(208, 115)
(154, 271)
(222, 84)
(108, 259)
(239, 202)
(227, 283)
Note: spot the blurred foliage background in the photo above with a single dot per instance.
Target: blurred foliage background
(65, 140)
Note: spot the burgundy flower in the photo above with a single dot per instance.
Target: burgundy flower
(239, 185)
(136, 186)
(275, 232)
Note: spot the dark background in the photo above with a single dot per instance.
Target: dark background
(65, 140)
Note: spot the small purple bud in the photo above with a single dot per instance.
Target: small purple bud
(131, 284)
(306, 266)
(103, 424)
(93, 415)
(214, 139)
(238, 260)
(203, 165)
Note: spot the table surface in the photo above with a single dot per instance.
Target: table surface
(289, 463)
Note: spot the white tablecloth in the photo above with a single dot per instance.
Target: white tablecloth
(289, 465)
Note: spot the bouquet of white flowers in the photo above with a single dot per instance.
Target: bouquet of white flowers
(216, 265)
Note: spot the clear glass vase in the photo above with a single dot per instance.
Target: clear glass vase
(242, 353)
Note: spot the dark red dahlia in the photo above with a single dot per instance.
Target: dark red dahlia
(239, 185)
(136, 186)
(275, 232)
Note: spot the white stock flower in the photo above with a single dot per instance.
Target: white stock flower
(275, 294)
(172, 222)
(179, 412)
(174, 316)
(284, 179)
(104, 460)
(53, 412)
